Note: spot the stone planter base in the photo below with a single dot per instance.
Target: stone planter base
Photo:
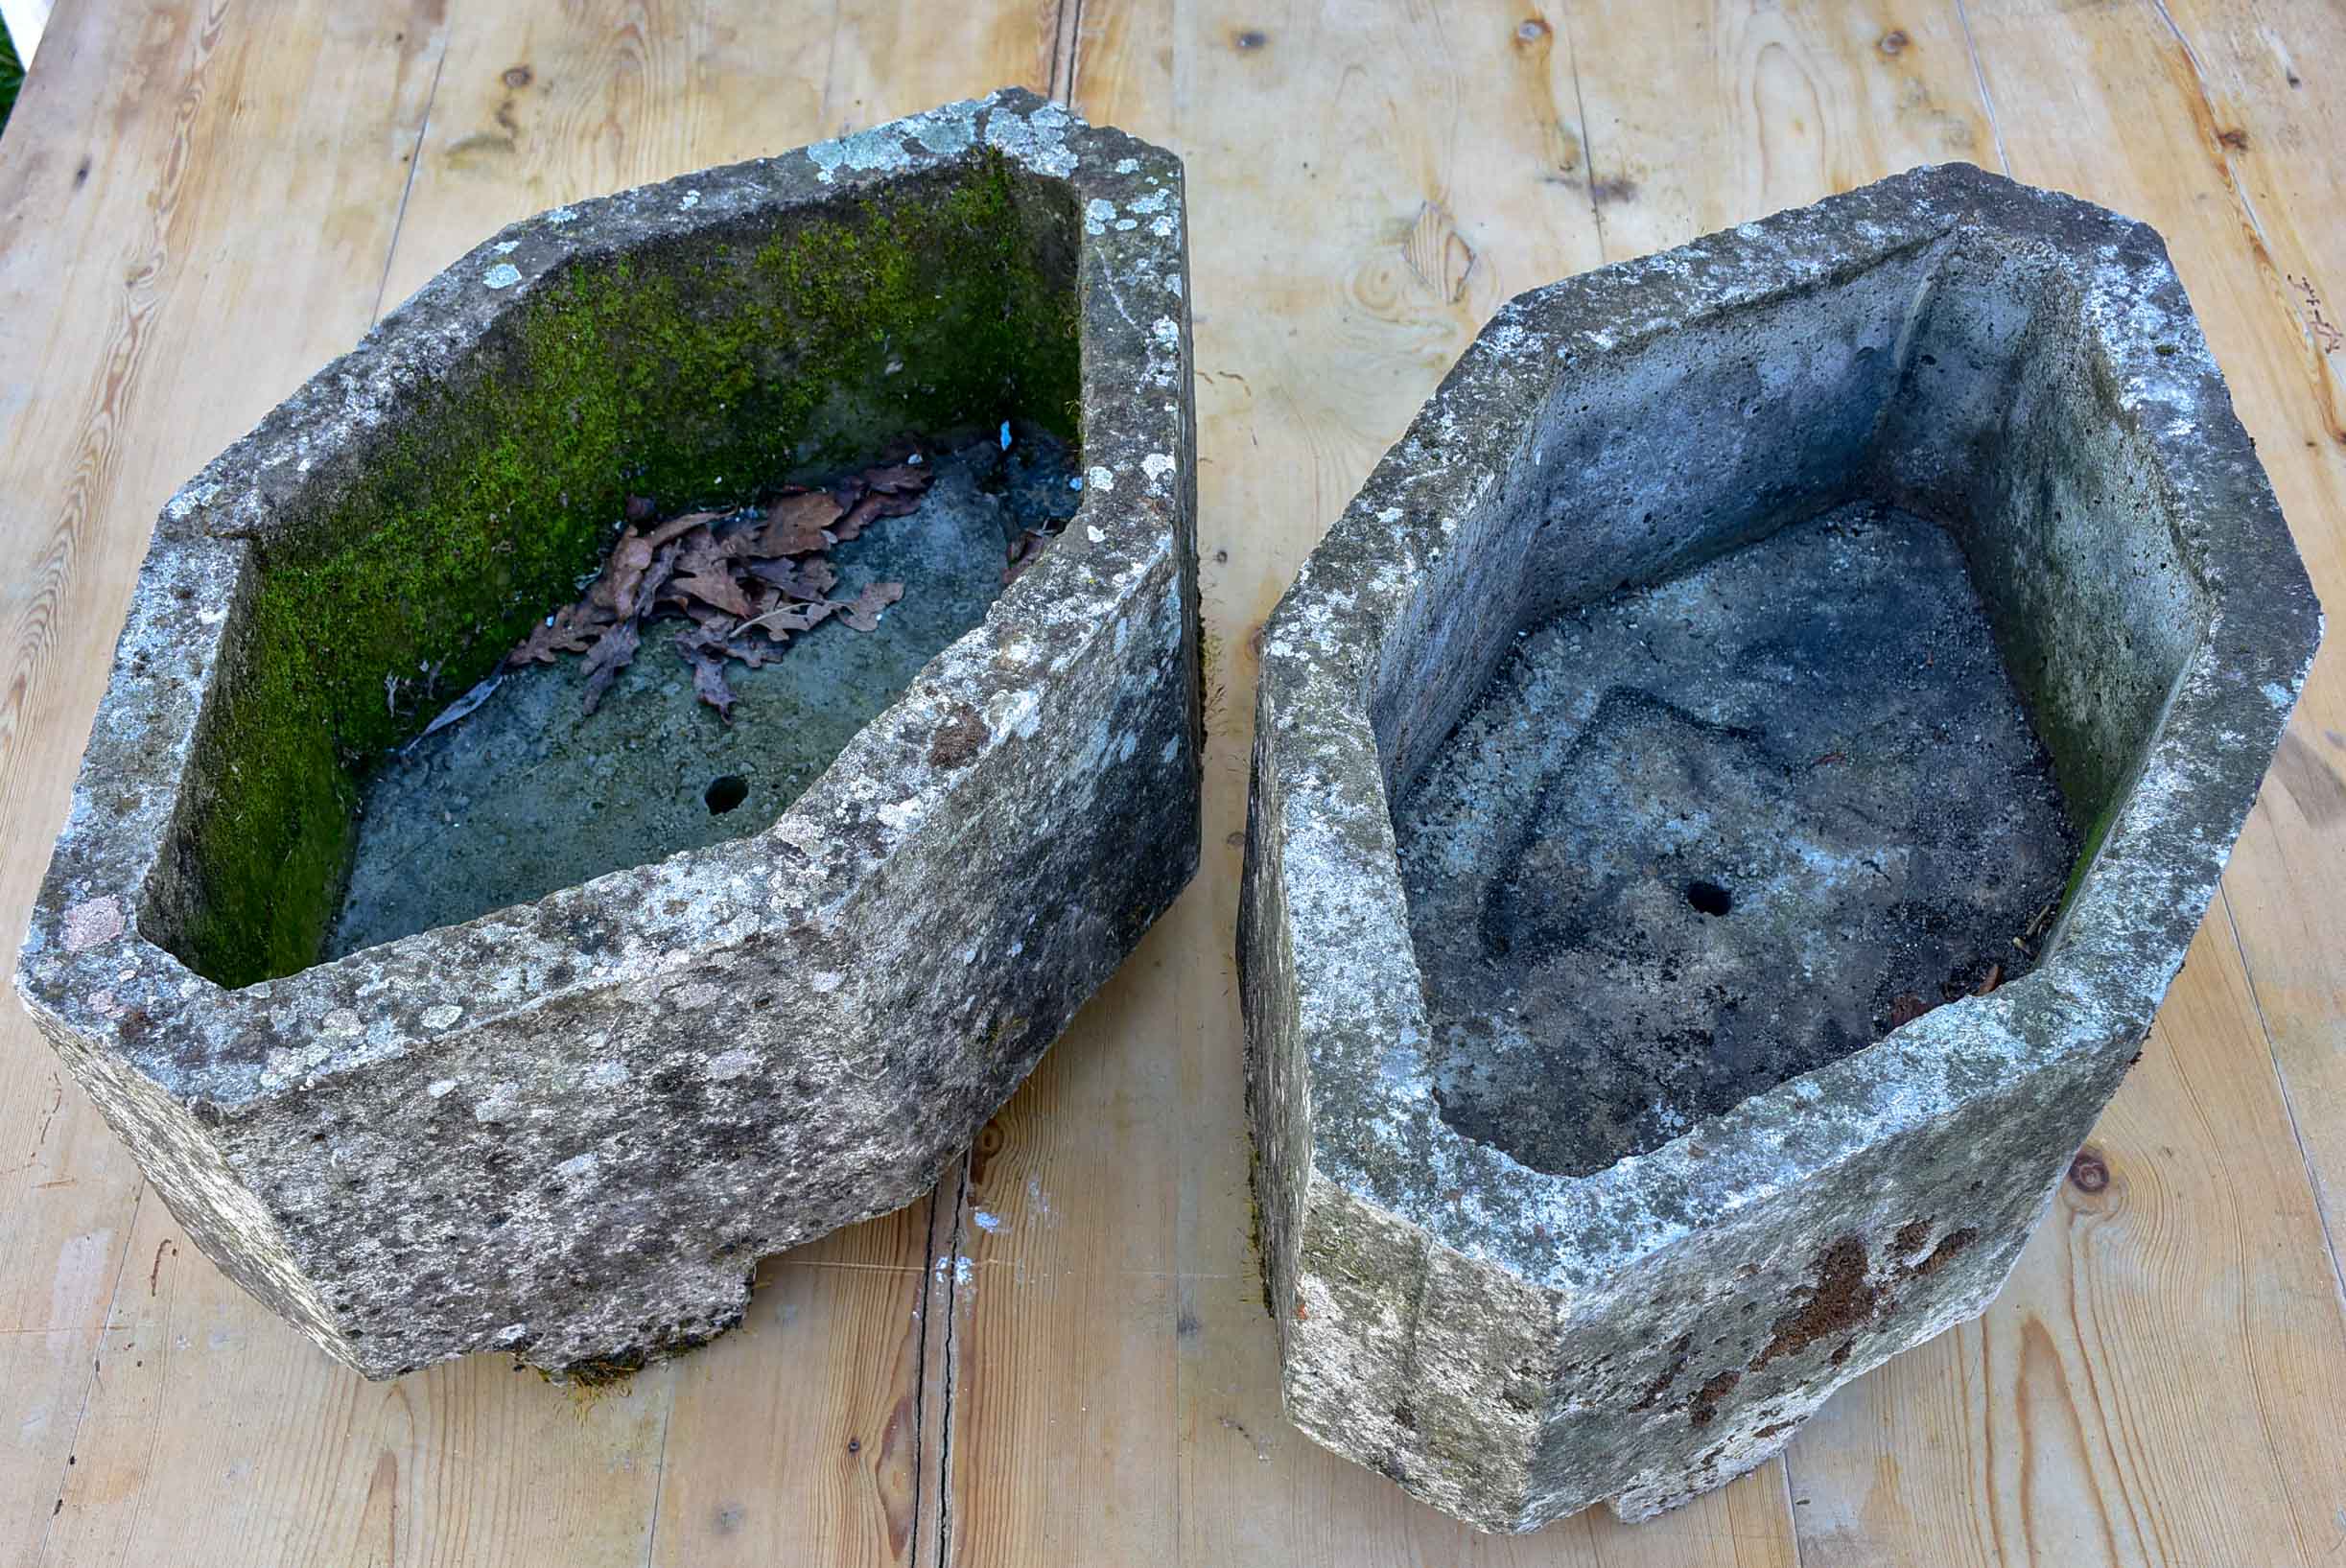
(568, 1125)
(1729, 796)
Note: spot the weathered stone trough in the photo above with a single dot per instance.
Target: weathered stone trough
(1729, 796)
(569, 1126)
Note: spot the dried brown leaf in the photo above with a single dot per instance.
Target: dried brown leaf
(717, 589)
(816, 576)
(622, 573)
(708, 677)
(611, 654)
(572, 629)
(863, 613)
(897, 477)
(795, 524)
(655, 577)
(1023, 554)
(788, 617)
(757, 652)
(677, 528)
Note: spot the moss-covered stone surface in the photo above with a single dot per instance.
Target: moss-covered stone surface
(692, 374)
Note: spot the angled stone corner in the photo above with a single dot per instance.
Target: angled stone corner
(1729, 795)
(568, 1128)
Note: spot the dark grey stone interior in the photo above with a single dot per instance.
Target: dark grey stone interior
(530, 793)
(1772, 697)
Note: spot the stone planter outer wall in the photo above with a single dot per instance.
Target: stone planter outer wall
(1509, 1345)
(569, 1128)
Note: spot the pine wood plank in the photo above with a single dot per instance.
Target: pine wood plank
(128, 161)
(2154, 1384)
(2277, 116)
(541, 104)
(1376, 267)
(1765, 107)
(1364, 189)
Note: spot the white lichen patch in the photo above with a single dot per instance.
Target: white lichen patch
(503, 275)
(442, 1016)
(941, 133)
(1038, 140)
(737, 1063)
(92, 922)
(189, 498)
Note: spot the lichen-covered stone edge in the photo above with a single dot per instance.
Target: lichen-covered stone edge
(916, 1005)
(1359, 1182)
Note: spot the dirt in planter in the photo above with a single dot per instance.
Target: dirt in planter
(1707, 835)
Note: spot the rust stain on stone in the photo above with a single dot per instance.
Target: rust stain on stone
(1839, 1299)
(1949, 1245)
(959, 739)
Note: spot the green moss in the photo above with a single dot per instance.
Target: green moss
(2093, 837)
(695, 374)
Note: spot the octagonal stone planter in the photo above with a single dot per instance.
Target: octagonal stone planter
(568, 1128)
(1729, 795)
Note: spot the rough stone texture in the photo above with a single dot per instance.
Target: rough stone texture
(1512, 1343)
(567, 1129)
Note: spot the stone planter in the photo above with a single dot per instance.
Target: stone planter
(569, 1126)
(1668, 993)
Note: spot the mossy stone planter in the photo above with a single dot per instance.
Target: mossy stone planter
(1729, 795)
(568, 1128)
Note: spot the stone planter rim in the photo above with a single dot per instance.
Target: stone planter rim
(84, 958)
(2123, 935)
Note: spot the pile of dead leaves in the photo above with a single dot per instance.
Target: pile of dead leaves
(740, 584)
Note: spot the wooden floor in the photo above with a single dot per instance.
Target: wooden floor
(201, 201)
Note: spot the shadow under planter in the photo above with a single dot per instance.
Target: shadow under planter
(535, 1032)
(1729, 796)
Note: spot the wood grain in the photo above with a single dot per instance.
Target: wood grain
(1063, 1358)
(2278, 119)
(2125, 1400)
(128, 355)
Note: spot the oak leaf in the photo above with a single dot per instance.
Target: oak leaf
(863, 613)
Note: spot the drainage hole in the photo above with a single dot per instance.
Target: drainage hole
(725, 791)
(1709, 897)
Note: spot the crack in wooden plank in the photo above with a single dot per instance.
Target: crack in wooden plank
(416, 161)
(1979, 74)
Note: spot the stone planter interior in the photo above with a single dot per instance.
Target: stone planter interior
(1805, 718)
(697, 372)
